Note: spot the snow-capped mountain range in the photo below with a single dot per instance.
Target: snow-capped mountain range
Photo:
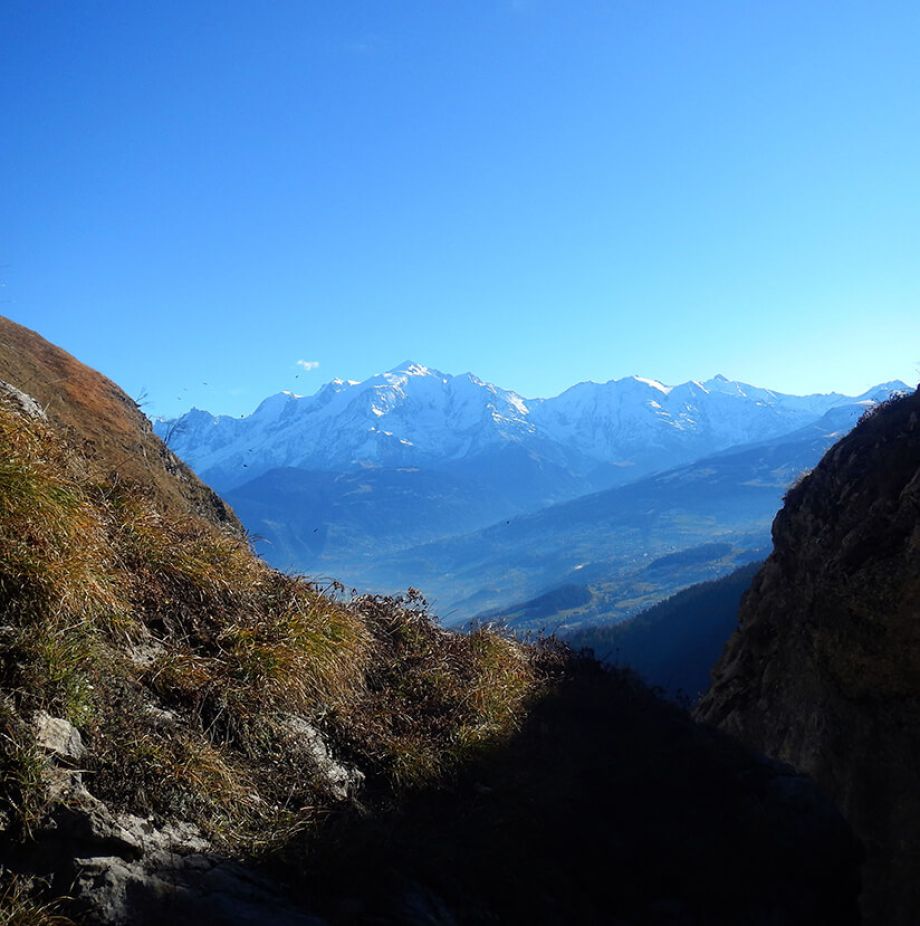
(413, 416)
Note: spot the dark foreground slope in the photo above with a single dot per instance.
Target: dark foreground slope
(607, 807)
(824, 671)
(188, 736)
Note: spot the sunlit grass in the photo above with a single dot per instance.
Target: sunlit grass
(198, 727)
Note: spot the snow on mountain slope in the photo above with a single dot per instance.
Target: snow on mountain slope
(416, 416)
(408, 416)
(633, 421)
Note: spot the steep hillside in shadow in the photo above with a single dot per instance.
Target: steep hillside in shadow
(607, 807)
(824, 671)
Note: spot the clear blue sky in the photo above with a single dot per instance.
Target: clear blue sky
(541, 191)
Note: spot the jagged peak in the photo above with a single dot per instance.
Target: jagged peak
(413, 368)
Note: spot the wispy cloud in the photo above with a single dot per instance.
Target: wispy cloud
(308, 364)
(370, 44)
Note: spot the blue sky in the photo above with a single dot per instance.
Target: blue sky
(542, 192)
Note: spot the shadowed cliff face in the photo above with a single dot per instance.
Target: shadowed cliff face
(824, 671)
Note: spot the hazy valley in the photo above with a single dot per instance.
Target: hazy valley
(617, 493)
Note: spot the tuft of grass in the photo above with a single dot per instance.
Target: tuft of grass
(502, 677)
(24, 796)
(53, 668)
(300, 652)
(54, 555)
(287, 649)
(22, 904)
(432, 695)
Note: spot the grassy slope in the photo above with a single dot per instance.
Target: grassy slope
(140, 614)
(113, 436)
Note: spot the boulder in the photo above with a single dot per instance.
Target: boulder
(58, 737)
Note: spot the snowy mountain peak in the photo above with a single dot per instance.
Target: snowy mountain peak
(275, 404)
(411, 368)
(896, 385)
(416, 416)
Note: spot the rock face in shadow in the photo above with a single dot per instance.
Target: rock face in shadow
(824, 671)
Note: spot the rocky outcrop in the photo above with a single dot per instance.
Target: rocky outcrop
(119, 869)
(58, 736)
(126, 870)
(338, 780)
(22, 401)
(824, 670)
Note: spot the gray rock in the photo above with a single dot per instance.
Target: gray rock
(342, 781)
(162, 719)
(58, 736)
(123, 869)
(181, 889)
(22, 401)
(82, 825)
(144, 653)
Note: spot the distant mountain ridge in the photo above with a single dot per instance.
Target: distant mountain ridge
(414, 416)
(486, 500)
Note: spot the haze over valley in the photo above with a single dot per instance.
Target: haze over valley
(584, 507)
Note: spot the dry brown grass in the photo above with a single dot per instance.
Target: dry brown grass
(23, 790)
(54, 555)
(114, 439)
(432, 695)
(94, 571)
